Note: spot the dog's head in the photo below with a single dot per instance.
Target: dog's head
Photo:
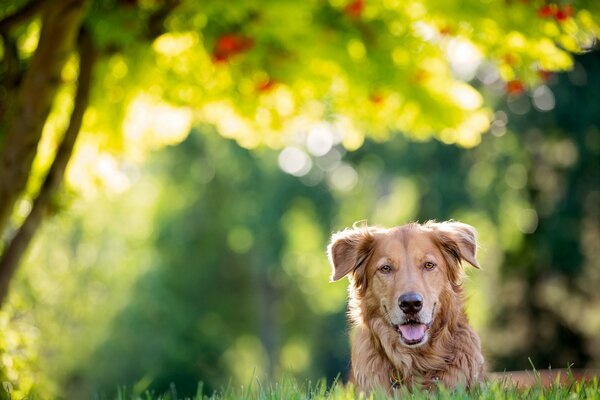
(403, 274)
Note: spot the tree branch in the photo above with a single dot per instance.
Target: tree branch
(10, 60)
(157, 19)
(61, 22)
(17, 247)
(12, 72)
(10, 75)
(23, 14)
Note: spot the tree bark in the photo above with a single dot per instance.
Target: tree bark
(61, 21)
(17, 247)
(21, 15)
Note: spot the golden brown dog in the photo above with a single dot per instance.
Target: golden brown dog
(406, 303)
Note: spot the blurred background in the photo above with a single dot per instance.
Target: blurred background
(192, 256)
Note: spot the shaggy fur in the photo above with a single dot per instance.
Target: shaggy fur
(384, 264)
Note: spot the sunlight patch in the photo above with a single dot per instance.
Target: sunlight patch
(173, 44)
(247, 359)
(295, 355)
(294, 161)
(464, 58)
(466, 97)
(151, 124)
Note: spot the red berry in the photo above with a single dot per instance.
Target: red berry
(355, 8)
(515, 87)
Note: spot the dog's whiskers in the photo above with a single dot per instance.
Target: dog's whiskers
(386, 314)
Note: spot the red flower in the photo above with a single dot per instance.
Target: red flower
(445, 31)
(560, 16)
(547, 11)
(545, 75)
(420, 76)
(376, 98)
(355, 8)
(515, 87)
(568, 10)
(511, 59)
(266, 85)
(230, 44)
(219, 58)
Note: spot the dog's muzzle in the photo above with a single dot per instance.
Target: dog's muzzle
(413, 331)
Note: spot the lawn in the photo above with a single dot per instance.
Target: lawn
(291, 389)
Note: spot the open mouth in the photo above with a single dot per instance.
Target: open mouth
(412, 332)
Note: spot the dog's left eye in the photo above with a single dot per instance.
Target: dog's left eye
(429, 265)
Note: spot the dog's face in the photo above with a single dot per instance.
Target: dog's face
(401, 274)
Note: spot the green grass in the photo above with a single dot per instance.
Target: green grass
(290, 389)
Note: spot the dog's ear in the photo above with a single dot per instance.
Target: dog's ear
(349, 250)
(459, 239)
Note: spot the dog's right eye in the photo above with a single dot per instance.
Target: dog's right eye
(386, 269)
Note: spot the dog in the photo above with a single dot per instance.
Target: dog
(406, 305)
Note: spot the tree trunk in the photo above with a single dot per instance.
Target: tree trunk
(17, 246)
(61, 21)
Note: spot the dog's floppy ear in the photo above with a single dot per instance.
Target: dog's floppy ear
(462, 242)
(349, 250)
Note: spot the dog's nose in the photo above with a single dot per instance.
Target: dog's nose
(411, 302)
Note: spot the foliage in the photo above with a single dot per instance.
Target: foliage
(20, 353)
(266, 72)
(557, 261)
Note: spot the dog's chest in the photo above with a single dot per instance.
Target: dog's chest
(415, 369)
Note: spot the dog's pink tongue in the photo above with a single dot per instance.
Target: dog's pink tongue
(412, 331)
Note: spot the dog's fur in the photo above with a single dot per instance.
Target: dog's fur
(384, 264)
